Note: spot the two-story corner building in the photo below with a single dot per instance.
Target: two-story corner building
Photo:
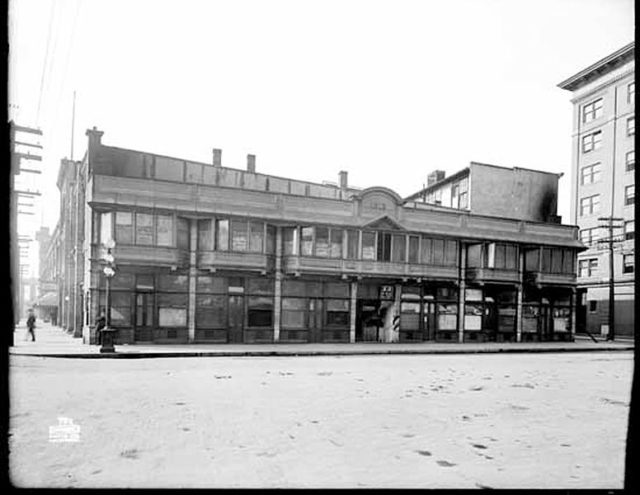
(525, 194)
(603, 185)
(206, 253)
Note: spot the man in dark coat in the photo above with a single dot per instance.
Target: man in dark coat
(31, 325)
(101, 322)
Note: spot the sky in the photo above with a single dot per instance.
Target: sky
(388, 90)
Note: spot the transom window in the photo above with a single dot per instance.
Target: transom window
(590, 205)
(590, 174)
(588, 268)
(631, 160)
(592, 141)
(592, 110)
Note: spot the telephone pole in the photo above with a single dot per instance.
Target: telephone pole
(610, 240)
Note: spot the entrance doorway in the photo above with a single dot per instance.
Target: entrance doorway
(143, 331)
(315, 320)
(368, 321)
(236, 319)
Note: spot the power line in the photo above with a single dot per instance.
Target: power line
(46, 59)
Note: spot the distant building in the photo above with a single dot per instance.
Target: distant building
(524, 194)
(603, 184)
(206, 253)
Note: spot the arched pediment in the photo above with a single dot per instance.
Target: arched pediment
(383, 223)
(380, 194)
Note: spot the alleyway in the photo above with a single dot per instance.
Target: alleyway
(453, 421)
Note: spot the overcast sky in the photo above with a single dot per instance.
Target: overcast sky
(388, 90)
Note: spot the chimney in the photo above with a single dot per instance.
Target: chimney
(95, 137)
(435, 176)
(217, 157)
(343, 179)
(251, 164)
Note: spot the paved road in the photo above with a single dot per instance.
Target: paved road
(433, 421)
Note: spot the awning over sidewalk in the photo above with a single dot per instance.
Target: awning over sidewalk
(50, 299)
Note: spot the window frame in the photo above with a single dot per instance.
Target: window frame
(593, 209)
(629, 199)
(593, 110)
(630, 161)
(590, 143)
(628, 263)
(631, 126)
(629, 235)
(631, 92)
(592, 172)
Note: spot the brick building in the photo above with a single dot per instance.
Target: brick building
(603, 185)
(206, 253)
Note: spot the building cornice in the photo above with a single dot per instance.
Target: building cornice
(602, 66)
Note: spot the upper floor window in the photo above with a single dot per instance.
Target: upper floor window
(557, 260)
(630, 194)
(184, 235)
(590, 174)
(164, 230)
(631, 93)
(631, 126)
(588, 268)
(459, 194)
(588, 236)
(631, 160)
(592, 110)
(501, 256)
(629, 230)
(628, 263)
(105, 228)
(144, 228)
(592, 141)
(124, 227)
(590, 205)
(205, 238)
(222, 235)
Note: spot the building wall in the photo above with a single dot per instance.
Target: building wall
(513, 193)
(612, 88)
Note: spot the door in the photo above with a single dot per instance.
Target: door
(491, 319)
(545, 322)
(428, 320)
(315, 320)
(236, 319)
(143, 331)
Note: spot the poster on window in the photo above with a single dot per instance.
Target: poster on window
(172, 317)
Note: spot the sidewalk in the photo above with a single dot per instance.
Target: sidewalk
(55, 342)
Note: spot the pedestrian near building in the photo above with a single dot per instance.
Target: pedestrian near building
(31, 325)
(101, 322)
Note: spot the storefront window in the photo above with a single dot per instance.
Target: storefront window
(124, 227)
(447, 316)
(211, 311)
(337, 312)
(144, 229)
(260, 311)
(121, 308)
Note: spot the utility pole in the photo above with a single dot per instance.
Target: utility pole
(610, 240)
(21, 149)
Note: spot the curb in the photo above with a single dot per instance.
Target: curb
(302, 353)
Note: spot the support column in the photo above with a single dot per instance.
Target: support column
(519, 295)
(277, 291)
(193, 273)
(353, 315)
(395, 335)
(572, 330)
(462, 287)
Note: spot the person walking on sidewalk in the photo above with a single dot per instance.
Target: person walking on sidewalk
(101, 322)
(31, 325)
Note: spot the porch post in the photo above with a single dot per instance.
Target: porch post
(277, 298)
(193, 273)
(352, 318)
(462, 286)
(574, 305)
(519, 315)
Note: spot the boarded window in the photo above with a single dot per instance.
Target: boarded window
(144, 229)
(256, 237)
(184, 237)
(322, 242)
(124, 227)
(164, 230)
(368, 246)
(222, 235)
(352, 244)
(205, 239)
(336, 243)
(399, 253)
(294, 312)
(172, 317)
(211, 311)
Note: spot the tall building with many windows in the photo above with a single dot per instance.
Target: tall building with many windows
(603, 186)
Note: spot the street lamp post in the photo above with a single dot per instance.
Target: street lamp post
(108, 333)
